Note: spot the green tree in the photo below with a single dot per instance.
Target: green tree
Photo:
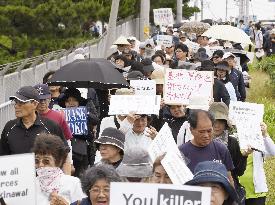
(37, 26)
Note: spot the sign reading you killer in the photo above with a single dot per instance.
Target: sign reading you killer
(158, 194)
(77, 120)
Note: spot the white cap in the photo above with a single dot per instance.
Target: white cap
(227, 55)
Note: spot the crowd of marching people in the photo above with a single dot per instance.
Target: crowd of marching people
(115, 149)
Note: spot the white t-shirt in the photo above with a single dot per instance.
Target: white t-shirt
(134, 140)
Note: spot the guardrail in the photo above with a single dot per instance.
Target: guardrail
(30, 71)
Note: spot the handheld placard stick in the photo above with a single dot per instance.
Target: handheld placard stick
(2, 202)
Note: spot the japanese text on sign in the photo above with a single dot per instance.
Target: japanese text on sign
(144, 87)
(247, 118)
(165, 40)
(181, 84)
(124, 104)
(163, 16)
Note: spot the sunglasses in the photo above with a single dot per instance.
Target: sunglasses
(216, 57)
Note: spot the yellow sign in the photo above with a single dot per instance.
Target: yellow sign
(146, 31)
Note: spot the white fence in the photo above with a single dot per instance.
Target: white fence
(10, 83)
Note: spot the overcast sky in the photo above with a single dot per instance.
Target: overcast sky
(215, 9)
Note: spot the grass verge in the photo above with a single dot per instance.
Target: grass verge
(261, 91)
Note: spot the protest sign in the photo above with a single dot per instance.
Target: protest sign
(158, 194)
(143, 87)
(77, 119)
(180, 84)
(176, 168)
(17, 179)
(245, 112)
(163, 16)
(124, 104)
(163, 142)
(250, 135)
(247, 118)
(165, 40)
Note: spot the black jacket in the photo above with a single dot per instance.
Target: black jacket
(236, 78)
(220, 92)
(175, 125)
(17, 139)
(238, 159)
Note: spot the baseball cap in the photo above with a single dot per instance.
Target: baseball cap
(43, 91)
(228, 54)
(26, 94)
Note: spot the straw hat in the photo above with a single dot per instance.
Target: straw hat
(125, 91)
(121, 41)
(158, 76)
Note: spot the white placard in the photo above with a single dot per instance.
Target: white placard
(165, 40)
(124, 104)
(180, 84)
(158, 194)
(247, 118)
(144, 87)
(17, 179)
(245, 112)
(250, 135)
(176, 168)
(163, 16)
(162, 143)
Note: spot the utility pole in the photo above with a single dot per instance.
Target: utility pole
(111, 26)
(179, 11)
(241, 9)
(201, 9)
(226, 9)
(246, 19)
(196, 5)
(144, 28)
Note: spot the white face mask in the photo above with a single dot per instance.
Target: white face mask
(149, 52)
(49, 179)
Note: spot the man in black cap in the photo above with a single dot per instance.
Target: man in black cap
(19, 134)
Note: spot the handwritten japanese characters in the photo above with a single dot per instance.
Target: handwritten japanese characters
(181, 84)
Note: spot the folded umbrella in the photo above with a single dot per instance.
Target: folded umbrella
(95, 73)
(229, 33)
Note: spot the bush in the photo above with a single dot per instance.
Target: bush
(268, 65)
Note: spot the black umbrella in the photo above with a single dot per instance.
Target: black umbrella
(95, 73)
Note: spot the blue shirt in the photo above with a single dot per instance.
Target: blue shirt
(215, 151)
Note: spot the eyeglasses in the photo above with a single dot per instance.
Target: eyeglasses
(216, 57)
(178, 51)
(98, 191)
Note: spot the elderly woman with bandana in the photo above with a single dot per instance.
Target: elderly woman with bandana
(53, 186)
